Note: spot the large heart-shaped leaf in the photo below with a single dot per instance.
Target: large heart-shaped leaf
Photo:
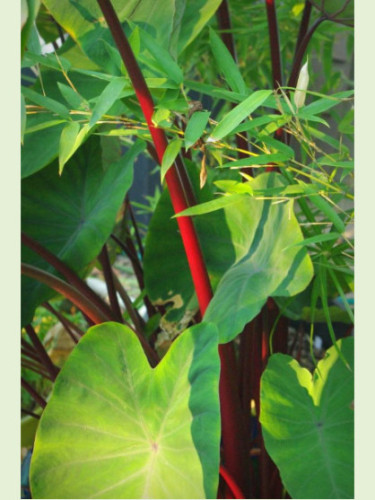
(72, 215)
(268, 261)
(308, 423)
(116, 428)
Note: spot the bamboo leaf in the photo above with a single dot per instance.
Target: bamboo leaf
(320, 238)
(210, 206)
(239, 113)
(106, 100)
(226, 64)
(257, 160)
(162, 57)
(195, 127)
(170, 155)
(328, 211)
(46, 102)
(67, 143)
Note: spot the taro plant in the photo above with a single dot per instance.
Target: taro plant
(192, 386)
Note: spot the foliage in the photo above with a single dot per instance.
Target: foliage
(252, 227)
(311, 410)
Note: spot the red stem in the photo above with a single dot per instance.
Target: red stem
(273, 30)
(236, 490)
(60, 286)
(68, 274)
(303, 26)
(235, 457)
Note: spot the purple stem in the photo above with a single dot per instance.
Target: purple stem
(33, 393)
(108, 276)
(273, 30)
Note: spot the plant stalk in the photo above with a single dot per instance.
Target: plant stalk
(235, 456)
(70, 327)
(33, 393)
(108, 276)
(60, 286)
(273, 30)
(68, 274)
(39, 347)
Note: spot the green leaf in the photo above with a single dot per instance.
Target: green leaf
(162, 57)
(320, 238)
(326, 103)
(346, 124)
(73, 98)
(68, 142)
(308, 423)
(226, 64)
(278, 145)
(257, 160)
(211, 206)
(107, 98)
(48, 60)
(267, 263)
(213, 91)
(23, 117)
(31, 11)
(196, 14)
(239, 113)
(195, 127)
(72, 215)
(46, 102)
(329, 211)
(170, 154)
(41, 144)
(161, 117)
(127, 430)
(168, 280)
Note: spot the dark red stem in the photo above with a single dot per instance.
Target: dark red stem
(37, 397)
(273, 30)
(235, 461)
(60, 286)
(68, 274)
(304, 25)
(108, 276)
(301, 52)
(69, 326)
(135, 225)
(39, 347)
(236, 490)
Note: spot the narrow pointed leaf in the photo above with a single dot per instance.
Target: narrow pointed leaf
(239, 113)
(46, 102)
(162, 57)
(170, 154)
(195, 127)
(116, 428)
(108, 97)
(67, 143)
(226, 64)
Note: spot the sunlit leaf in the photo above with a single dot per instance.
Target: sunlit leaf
(116, 428)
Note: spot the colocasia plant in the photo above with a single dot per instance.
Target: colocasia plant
(199, 387)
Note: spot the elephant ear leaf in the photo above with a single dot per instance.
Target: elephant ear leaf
(72, 215)
(269, 260)
(116, 428)
(308, 423)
